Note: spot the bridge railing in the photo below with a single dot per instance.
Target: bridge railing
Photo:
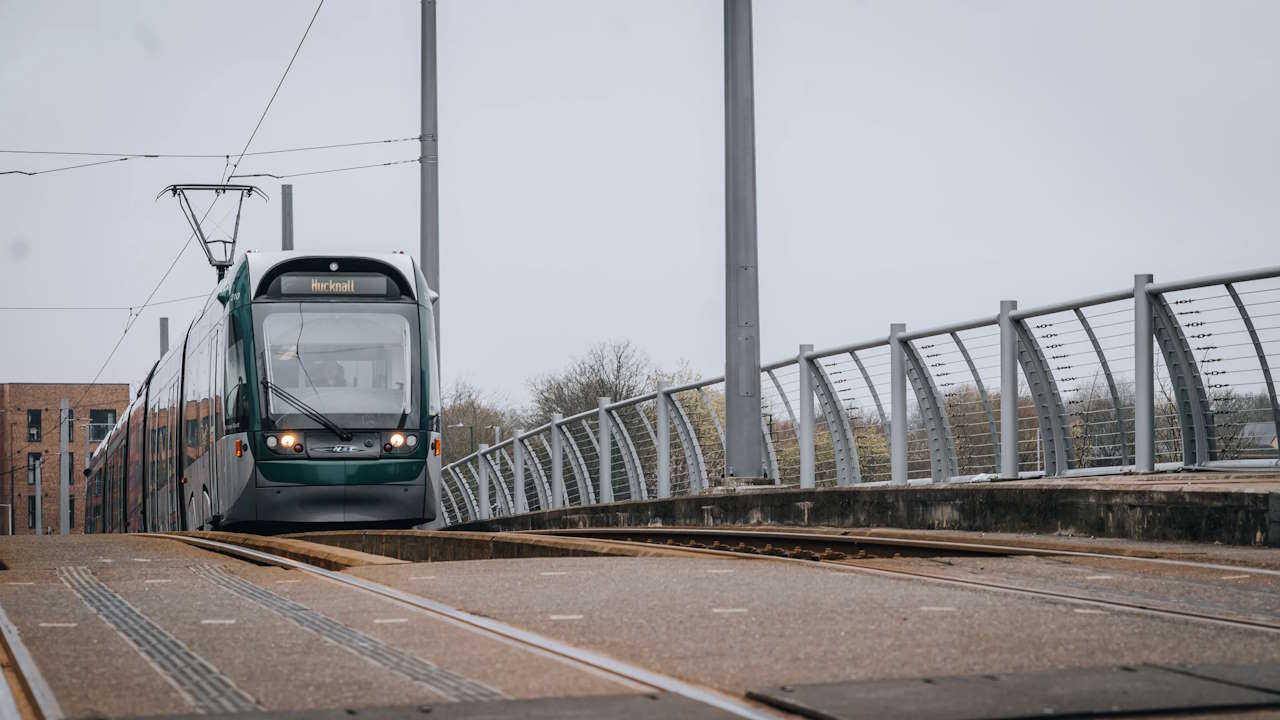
(1157, 376)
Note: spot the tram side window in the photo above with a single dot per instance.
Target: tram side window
(237, 388)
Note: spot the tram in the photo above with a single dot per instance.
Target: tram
(305, 394)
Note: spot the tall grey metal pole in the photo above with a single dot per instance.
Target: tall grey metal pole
(286, 216)
(517, 473)
(606, 450)
(898, 403)
(557, 463)
(1008, 391)
(164, 336)
(744, 444)
(482, 478)
(1144, 378)
(805, 434)
(428, 164)
(664, 442)
(64, 466)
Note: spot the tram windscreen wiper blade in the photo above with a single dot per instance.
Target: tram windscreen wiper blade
(307, 410)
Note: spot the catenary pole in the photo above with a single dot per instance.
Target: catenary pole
(286, 216)
(744, 444)
(428, 167)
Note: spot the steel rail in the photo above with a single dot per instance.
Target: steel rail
(853, 565)
(28, 675)
(593, 660)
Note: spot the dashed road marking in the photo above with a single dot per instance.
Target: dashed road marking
(1234, 577)
(156, 581)
(389, 621)
(728, 610)
(423, 577)
(566, 617)
(106, 560)
(937, 608)
(557, 572)
(142, 559)
(1098, 577)
(19, 583)
(720, 572)
(217, 621)
(1090, 611)
(59, 624)
(287, 582)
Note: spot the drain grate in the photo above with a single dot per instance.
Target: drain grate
(193, 676)
(448, 684)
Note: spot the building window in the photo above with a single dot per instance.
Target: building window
(100, 422)
(34, 433)
(31, 512)
(71, 511)
(71, 469)
(33, 461)
(71, 425)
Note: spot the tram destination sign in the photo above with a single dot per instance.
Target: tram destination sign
(330, 284)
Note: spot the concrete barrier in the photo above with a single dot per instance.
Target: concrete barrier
(1238, 517)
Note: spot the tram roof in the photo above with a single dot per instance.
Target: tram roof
(260, 263)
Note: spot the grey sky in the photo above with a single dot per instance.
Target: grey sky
(918, 161)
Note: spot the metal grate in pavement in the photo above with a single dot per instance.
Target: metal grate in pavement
(198, 681)
(443, 682)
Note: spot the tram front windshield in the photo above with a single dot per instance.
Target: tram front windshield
(353, 362)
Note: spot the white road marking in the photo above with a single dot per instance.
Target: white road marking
(20, 583)
(566, 617)
(558, 572)
(728, 610)
(720, 572)
(1224, 577)
(1091, 611)
(107, 560)
(217, 622)
(286, 582)
(423, 577)
(142, 559)
(937, 608)
(59, 624)
(157, 580)
(1098, 577)
(389, 621)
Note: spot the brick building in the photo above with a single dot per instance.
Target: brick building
(29, 432)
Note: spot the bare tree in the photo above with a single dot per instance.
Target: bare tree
(615, 369)
(469, 417)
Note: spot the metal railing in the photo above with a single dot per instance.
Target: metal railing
(1159, 376)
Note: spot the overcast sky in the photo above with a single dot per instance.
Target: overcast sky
(917, 162)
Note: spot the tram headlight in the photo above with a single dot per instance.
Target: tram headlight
(411, 441)
(272, 442)
(396, 440)
(287, 440)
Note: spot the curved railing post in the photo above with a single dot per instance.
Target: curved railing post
(848, 470)
(986, 399)
(1116, 408)
(586, 494)
(630, 459)
(1199, 444)
(942, 444)
(468, 500)
(539, 477)
(1051, 412)
(692, 449)
(1262, 359)
(808, 478)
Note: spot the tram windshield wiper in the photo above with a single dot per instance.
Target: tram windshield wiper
(307, 410)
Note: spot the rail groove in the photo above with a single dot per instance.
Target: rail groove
(588, 660)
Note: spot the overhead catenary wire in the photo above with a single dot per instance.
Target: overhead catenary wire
(103, 307)
(323, 172)
(199, 156)
(31, 173)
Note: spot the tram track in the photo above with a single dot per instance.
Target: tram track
(596, 663)
(866, 554)
(24, 694)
